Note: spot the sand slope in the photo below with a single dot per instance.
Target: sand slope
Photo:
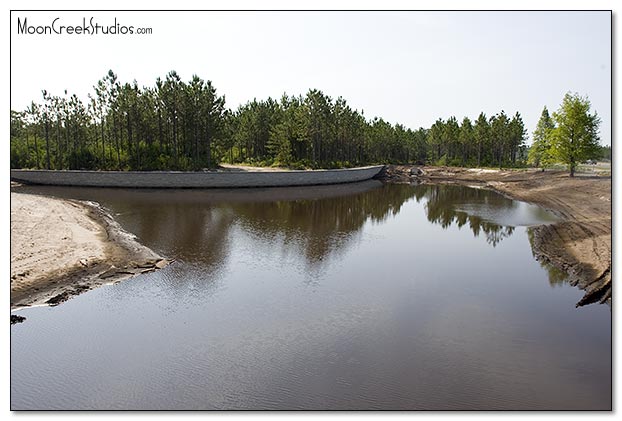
(48, 235)
(60, 248)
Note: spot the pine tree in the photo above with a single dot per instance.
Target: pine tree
(539, 153)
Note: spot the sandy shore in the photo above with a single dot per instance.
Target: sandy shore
(580, 245)
(61, 248)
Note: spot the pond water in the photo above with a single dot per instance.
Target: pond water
(362, 296)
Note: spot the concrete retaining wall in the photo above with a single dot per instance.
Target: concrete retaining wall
(172, 179)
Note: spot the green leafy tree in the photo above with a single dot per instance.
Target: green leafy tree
(47, 110)
(451, 136)
(500, 127)
(435, 140)
(575, 139)
(540, 151)
(517, 136)
(481, 133)
(420, 146)
(605, 152)
(466, 139)
(32, 119)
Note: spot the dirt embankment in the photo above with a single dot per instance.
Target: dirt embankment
(580, 245)
(61, 248)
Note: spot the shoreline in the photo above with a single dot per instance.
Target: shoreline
(580, 245)
(61, 248)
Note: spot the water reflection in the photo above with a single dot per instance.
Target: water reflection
(234, 326)
(556, 276)
(198, 226)
(321, 229)
(443, 206)
(319, 223)
(485, 211)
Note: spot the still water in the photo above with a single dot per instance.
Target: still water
(362, 296)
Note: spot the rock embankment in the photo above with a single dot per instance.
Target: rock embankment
(400, 174)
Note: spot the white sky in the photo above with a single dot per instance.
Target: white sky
(406, 67)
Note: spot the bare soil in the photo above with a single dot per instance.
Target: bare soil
(61, 248)
(580, 245)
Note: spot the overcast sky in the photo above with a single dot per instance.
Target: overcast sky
(406, 67)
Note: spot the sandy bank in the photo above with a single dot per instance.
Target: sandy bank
(61, 248)
(580, 245)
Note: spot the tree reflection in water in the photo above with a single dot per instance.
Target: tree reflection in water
(320, 229)
(319, 223)
(443, 201)
(557, 277)
(441, 208)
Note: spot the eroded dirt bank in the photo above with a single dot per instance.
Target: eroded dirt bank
(61, 248)
(580, 245)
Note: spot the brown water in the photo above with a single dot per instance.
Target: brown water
(358, 296)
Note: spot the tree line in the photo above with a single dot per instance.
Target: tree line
(171, 125)
(177, 125)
